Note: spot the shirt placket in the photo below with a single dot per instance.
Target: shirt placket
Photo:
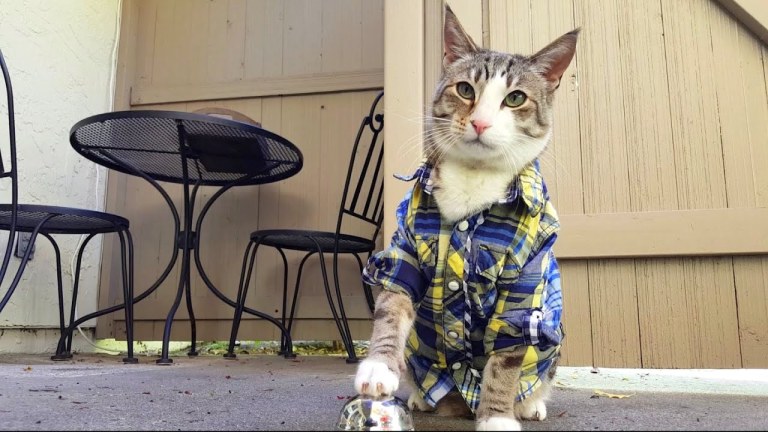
(457, 335)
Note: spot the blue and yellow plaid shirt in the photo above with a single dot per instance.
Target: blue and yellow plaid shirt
(483, 285)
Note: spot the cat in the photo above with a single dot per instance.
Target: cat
(470, 307)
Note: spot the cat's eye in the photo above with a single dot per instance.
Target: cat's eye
(515, 99)
(465, 90)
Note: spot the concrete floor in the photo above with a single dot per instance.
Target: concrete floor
(260, 392)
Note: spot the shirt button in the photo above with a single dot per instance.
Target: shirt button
(456, 366)
(453, 285)
(463, 225)
(453, 334)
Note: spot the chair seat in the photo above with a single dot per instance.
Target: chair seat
(67, 220)
(304, 240)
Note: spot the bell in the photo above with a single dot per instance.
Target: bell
(388, 413)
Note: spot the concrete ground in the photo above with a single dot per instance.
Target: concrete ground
(266, 392)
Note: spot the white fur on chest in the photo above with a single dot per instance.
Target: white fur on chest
(461, 191)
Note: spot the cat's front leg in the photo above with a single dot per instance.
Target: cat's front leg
(501, 380)
(379, 374)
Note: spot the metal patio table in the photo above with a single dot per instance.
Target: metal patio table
(192, 150)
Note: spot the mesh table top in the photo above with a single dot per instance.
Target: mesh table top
(217, 151)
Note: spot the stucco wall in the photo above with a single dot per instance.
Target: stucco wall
(60, 55)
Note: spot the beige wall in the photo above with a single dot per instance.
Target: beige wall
(60, 57)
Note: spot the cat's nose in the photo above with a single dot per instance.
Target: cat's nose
(480, 126)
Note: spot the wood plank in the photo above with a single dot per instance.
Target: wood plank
(604, 163)
(225, 41)
(664, 233)
(265, 87)
(470, 15)
(433, 50)
(373, 34)
(497, 25)
(561, 161)
(263, 39)
(302, 46)
(687, 311)
(603, 125)
(342, 26)
(732, 109)
(695, 121)
(613, 308)
(404, 51)
(758, 132)
(753, 14)
(647, 109)
(145, 42)
(751, 279)
(577, 315)
(109, 279)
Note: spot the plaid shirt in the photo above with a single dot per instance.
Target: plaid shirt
(484, 285)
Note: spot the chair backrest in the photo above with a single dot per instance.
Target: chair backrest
(364, 187)
(11, 171)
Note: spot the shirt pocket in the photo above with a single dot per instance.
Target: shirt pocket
(426, 253)
(489, 263)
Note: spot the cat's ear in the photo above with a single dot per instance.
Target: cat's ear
(554, 59)
(456, 41)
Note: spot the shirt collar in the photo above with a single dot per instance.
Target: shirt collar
(529, 185)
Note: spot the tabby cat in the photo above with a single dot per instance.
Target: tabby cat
(471, 303)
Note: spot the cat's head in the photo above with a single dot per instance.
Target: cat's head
(492, 108)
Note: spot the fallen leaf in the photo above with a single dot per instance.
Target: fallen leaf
(28, 368)
(612, 395)
(562, 413)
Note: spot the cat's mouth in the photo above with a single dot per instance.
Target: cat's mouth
(475, 143)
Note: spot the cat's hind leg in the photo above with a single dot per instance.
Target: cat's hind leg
(501, 379)
(534, 407)
(415, 401)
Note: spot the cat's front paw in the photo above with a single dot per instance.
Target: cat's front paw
(375, 378)
(498, 424)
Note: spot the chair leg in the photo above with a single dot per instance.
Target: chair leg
(296, 293)
(60, 289)
(193, 325)
(126, 248)
(343, 330)
(285, 297)
(65, 341)
(350, 343)
(242, 288)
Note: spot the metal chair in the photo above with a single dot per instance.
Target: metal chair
(362, 200)
(49, 220)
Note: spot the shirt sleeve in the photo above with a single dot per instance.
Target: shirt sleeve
(528, 311)
(396, 268)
